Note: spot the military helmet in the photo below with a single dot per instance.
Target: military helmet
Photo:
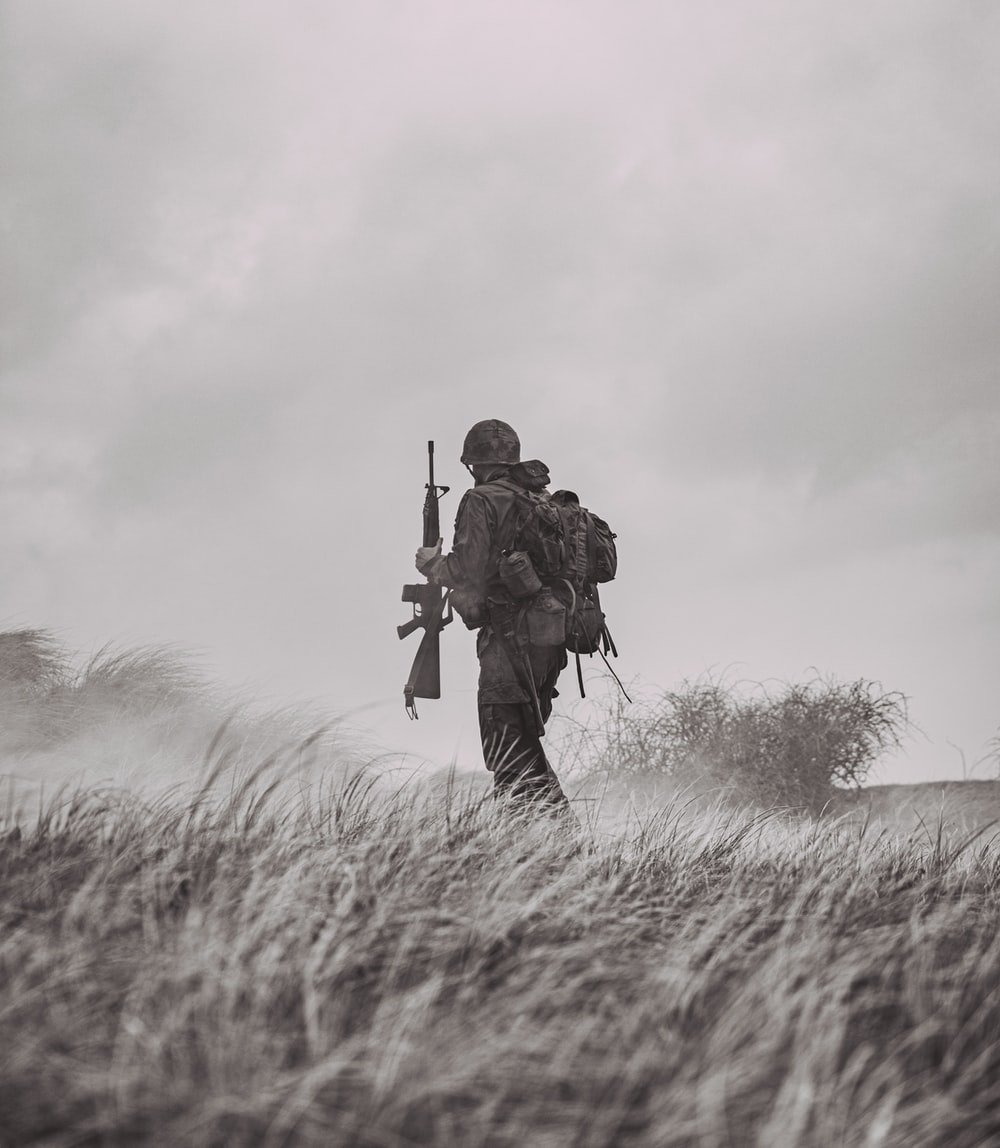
(491, 441)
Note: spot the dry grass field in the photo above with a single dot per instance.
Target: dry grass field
(247, 962)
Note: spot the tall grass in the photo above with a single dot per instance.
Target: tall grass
(367, 971)
(244, 962)
(142, 720)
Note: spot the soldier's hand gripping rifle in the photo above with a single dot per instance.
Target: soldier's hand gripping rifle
(429, 603)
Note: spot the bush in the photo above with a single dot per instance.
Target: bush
(781, 747)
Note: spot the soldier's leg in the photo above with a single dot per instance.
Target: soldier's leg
(547, 662)
(512, 748)
(513, 753)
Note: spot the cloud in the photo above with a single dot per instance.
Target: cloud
(728, 269)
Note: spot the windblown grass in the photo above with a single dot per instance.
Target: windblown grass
(142, 720)
(360, 970)
(264, 955)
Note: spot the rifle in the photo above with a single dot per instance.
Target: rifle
(429, 603)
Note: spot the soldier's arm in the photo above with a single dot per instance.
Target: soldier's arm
(467, 566)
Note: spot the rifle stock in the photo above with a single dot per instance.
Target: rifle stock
(425, 675)
(429, 602)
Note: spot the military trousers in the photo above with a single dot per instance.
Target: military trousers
(510, 671)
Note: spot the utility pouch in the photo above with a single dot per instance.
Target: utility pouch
(545, 619)
(470, 607)
(518, 575)
(587, 628)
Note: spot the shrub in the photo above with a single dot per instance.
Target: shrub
(789, 746)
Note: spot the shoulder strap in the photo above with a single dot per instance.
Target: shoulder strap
(583, 531)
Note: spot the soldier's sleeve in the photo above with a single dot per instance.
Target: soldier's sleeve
(467, 566)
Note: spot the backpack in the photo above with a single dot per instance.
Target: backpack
(564, 540)
(569, 544)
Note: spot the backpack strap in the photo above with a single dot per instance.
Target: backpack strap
(579, 675)
(581, 550)
(606, 639)
(591, 543)
(614, 675)
(524, 508)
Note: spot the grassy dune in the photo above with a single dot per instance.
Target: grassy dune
(342, 966)
(381, 973)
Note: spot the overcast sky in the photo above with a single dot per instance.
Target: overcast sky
(731, 269)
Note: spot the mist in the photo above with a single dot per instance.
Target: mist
(728, 271)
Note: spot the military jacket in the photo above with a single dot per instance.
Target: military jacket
(484, 526)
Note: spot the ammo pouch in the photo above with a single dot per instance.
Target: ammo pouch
(586, 628)
(470, 607)
(545, 620)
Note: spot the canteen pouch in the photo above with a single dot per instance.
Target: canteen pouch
(545, 620)
(518, 574)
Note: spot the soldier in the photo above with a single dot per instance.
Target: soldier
(520, 657)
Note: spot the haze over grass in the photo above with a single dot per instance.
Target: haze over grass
(238, 962)
(143, 720)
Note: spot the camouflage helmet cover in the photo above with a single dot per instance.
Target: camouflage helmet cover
(491, 441)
